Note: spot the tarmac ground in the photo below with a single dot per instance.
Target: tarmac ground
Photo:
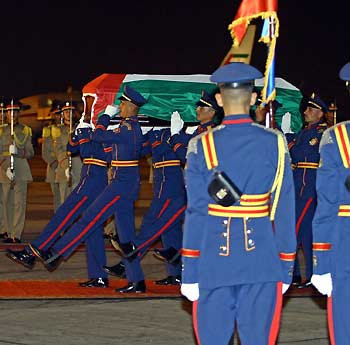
(120, 321)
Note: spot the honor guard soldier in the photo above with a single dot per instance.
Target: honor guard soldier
(209, 113)
(331, 224)
(16, 149)
(48, 153)
(304, 151)
(239, 241)
(69, 166)
(119, 196)
(165, 216)
(93, 180)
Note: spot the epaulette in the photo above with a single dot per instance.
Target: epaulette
(46, 132)
(192, 145)
(55, 132)
(327, 137)
(26, 130)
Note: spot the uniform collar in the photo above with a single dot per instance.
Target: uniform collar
(315, 125)
(236, 119)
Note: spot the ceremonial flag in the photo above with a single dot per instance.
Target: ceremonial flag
(267, 10)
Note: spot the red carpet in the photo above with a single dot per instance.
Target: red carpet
(69, 289)
(46, 289)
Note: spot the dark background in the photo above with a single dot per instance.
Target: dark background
(47, 46)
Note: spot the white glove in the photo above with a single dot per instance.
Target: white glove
(159, 128)
(111, 110)
(286, 123)
(190, 291)
(13, 149)
(285, 287)
(191, 129)
(66, 172)
(145, 130)
(323, 283)
(176, 123)
(10, 175)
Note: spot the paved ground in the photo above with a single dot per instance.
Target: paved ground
(102, 322)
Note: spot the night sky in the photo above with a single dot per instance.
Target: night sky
(49, 45)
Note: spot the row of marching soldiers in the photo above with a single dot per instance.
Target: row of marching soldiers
(96, 196)
(108, 186)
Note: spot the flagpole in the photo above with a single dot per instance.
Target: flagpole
(270, 123)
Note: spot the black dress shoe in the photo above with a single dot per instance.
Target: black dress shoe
(138, 287)
(116, 270)
(22, 257)
(171, 255)
(170, 280)
(95, 283)
(3, 236)
(296, 280)
(50, 260)
(12, 240)
(306, 284)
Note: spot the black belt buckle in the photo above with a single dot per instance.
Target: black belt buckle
(347, 183)
(223, 190)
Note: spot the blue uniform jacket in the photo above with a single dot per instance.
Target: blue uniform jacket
(220, 250)
(126, 142)
(180, 141)
(331, 223)
(304, 148)
(168, 180)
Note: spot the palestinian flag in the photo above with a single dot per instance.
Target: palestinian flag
(164, 93)
(169, 93)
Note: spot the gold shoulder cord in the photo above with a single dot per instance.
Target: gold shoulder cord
(277, 184)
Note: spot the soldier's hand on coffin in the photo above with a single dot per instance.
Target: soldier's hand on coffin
(176, 123)
(13, 149)
(190, 129)
(323, 283)
(111, 110)
(190, 291)
(145, 130)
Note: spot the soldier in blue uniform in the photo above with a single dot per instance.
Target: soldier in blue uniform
(119, 196)
(304, 150)
(165, 216)
(239, 241)
(331, 224)
(209, 114)
(93, 180)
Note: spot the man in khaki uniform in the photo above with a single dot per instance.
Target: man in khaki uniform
(49, 156)
(66, 176)
(14, 181)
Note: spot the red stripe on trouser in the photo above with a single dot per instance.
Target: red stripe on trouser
(302, 215)
(275, 325)
(167, 224)
(91, 224)
(330, 319)
(63, 223)
(165, 206)
(195, 320)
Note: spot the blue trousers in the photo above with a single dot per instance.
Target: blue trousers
(163, 220)
(117, 198)
(254, 308)
(339, 311)
(77, 202)
(305, 210)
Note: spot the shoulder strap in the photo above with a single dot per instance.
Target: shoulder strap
(342, 137)
(209, 150)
